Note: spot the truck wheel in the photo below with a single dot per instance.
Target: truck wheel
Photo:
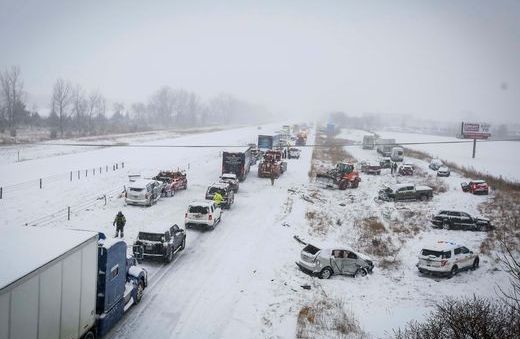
(325, 273)
(139, 292)
(89, 335)
(342, 185)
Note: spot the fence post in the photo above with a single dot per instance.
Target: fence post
(107, 169)
(18, 155)
(105, 196)
(100, 169)
(123, 164)
(1, 189)
(78, 174)
(113, 167)
(117, 166)
(68, 212)
(40, 183)
(70, 175)
(93, 171)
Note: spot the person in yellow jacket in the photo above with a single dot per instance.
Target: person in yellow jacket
(218, 198)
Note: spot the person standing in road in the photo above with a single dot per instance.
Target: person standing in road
(218, 198)
(119, 222)
(272, 175)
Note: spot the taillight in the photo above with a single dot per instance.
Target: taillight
(210, 217)
(444, 262)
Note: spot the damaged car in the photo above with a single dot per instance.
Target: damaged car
(337, 260)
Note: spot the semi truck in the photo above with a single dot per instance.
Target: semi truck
(369, 141)
(384, 146)
(57, 283)
(237, 162)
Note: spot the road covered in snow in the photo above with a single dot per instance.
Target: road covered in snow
(240, 280)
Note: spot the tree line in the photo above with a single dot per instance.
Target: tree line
(75, 111)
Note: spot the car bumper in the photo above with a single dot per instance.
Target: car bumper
(433, 270)
(137, 201)
(305, 268)
(198, 222)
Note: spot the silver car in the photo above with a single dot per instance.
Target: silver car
(327, 262)
(143, 192)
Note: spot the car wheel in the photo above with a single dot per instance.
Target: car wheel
(139, 292)
(476, 262)
(325, 273)
(183, 244)
(89, 335)
(446, 225)
(424, 198)
(360, 272)
(454, 271)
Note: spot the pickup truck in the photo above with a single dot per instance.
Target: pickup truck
(161, 242)
(402, 192)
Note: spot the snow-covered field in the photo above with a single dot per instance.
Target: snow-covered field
(240, 280)
(492, 157)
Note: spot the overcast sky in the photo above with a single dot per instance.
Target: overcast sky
(435, 59)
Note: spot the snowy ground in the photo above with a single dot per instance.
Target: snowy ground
(493, 157)
(240, 280)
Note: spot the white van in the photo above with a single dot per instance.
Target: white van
(397, 154)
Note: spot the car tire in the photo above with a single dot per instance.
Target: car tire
(446, 225)
(475, 264)
(89, 335)
(360, 272)
(139, 293)
(183, 244)
(169, 256)
(325, 273)
(424, 197)
(454, 271)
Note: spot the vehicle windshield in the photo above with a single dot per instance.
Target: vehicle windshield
(199, 209)
(213, 190)
(150, 236)
(438, 254)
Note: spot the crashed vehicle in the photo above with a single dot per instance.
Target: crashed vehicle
(475, 187)
(325, 263)
(406, 170)
(371, 168)
(231, 179)
(143, 192)
(385, 162)
(161, 242)
(402, 192)
(443, 171)
(225, 190)
(446, 258)
(435, 164)
(342, 176)
(173, 181)
(294, 153)
(457, 220)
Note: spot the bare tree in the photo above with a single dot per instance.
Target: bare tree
(511, 265)
(79, 107)
(138, 111)
(12, 94)
(61, 99)
(92, 103)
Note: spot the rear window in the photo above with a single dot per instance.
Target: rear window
(213, 190)
(135, 189)
(150, 236)
(198, 209)
(438, 254)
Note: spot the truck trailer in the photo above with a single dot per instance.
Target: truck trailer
(57, 283)
(237, 162)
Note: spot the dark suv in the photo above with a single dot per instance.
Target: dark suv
(163, 244)
(225, 189)
(456, 220)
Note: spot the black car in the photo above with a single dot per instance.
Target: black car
(456, 220)
(225, 189)
(163, 244)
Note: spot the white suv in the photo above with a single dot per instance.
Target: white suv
(202, 213)
(446, 258)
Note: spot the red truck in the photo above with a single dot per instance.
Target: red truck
(475, 187)
(173, 180)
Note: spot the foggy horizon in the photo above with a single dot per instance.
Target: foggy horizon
(433, 61)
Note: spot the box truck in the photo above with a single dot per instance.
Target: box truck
(237, 162)
(57, 283)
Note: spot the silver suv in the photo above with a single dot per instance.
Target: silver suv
(327, 262)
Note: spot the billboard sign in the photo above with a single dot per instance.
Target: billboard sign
(475, 130)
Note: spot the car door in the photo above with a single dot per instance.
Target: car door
(467, 256)
(454, 218)
(350, 265)
(338, 261)
(466, 221)
(459, 258)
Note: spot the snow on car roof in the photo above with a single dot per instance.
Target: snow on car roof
(201, 203)
(442, 245)
(397, 186)
(478, 181)
(229, 175)
(25, 249)
(221, 185)
(140, 183)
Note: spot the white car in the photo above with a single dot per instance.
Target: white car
(230, 178)
(443, 171)
(143, 192)
(446, 258)
(202, 213)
